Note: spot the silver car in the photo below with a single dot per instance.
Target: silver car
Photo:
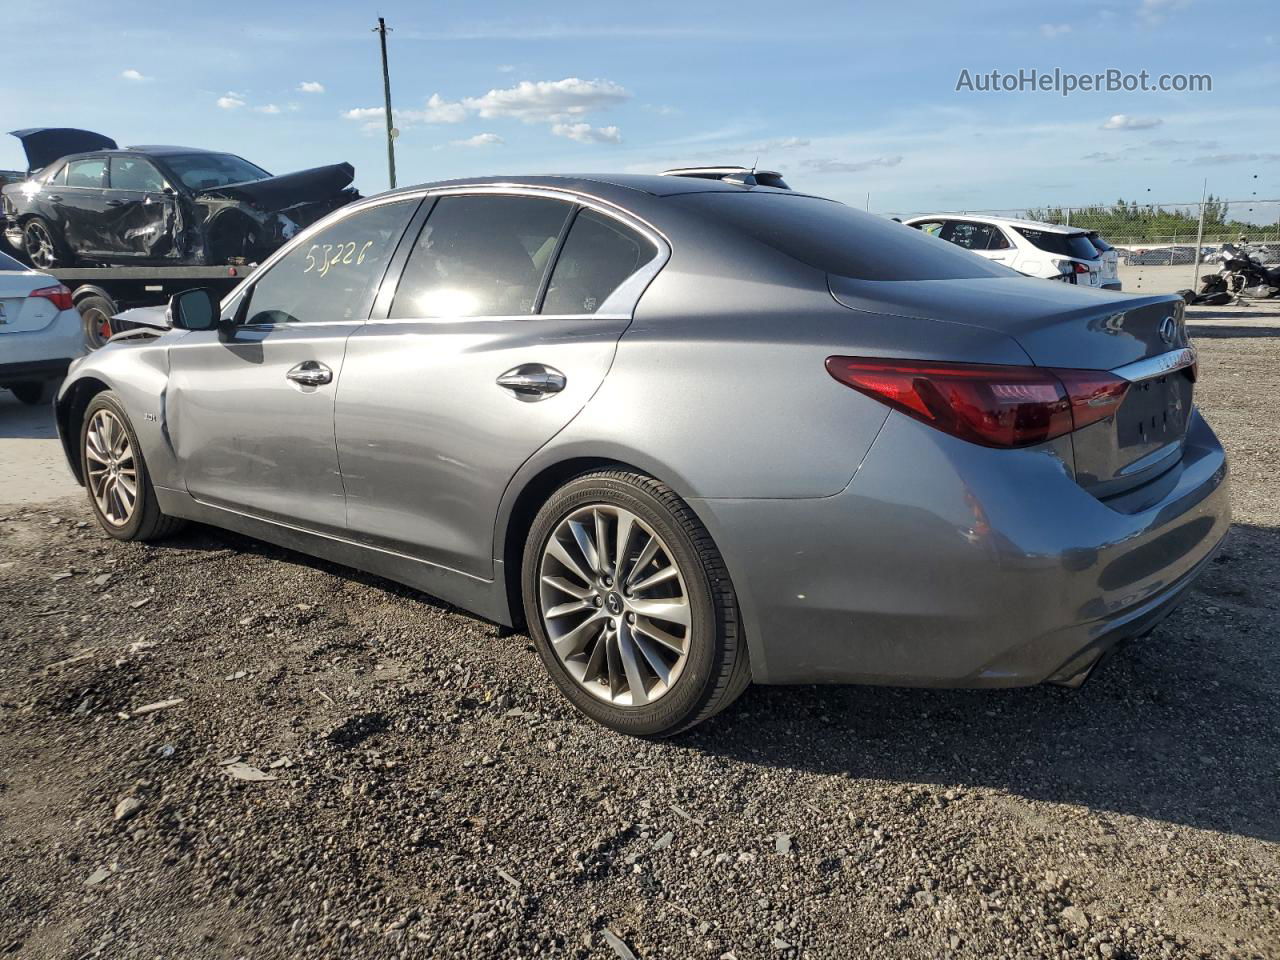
(691, 433)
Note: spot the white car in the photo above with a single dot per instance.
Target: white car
(40, 331)
(1046, 250)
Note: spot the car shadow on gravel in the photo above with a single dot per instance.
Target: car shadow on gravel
(1180, 726)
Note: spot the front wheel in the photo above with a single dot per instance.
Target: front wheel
(115, 474)
(631, 607)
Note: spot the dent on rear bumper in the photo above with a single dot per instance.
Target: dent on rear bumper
(948, 564)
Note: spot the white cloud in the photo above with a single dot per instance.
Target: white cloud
(133, 75)
(1122, 121)
(479, 140)
(1052, 30)
(1153, 12)
(230, 101)
(311, 86)
(436, 110)
(267, 108)
(1221, 158)
(549, 101)
(586, 133)
(852, 166)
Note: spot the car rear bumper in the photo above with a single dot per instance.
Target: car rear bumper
(944, 564)
(41, 354)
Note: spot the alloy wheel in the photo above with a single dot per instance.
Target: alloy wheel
(39, 245)
(614, 605)
(111, 468)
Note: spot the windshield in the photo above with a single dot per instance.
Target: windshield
(1063, 244)
(840, 240)
(203, 171)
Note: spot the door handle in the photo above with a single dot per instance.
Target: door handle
(114, 203)
(532, 381)
(310, 373)
(55, 198)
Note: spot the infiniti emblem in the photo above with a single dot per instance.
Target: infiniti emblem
(1168, 330)
(614, 603)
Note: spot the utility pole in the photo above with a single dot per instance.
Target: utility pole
(381, 30)
(1204, 196)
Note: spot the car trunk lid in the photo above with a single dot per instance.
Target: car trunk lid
(43, 145)
(1142, 339)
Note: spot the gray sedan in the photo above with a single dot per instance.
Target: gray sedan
(691, 433)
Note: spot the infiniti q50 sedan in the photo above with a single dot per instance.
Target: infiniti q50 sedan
(691, 433)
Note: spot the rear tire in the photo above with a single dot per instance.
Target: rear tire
(35, 394)
(713, 669)
(95, 315)
(111, 460)
(42, 245)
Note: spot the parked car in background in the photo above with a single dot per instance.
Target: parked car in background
(91, 202)
(693, 433)
(1110, 258)
(41, 331)
(1044, 250)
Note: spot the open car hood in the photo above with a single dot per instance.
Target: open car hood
(43, 145)
(287, 190)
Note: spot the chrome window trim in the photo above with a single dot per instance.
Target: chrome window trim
(620, 305)
(1157, 366)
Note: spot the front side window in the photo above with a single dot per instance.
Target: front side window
(480, 256)
(598, 255)
(134, 173)
(334, 274)
(86, 173)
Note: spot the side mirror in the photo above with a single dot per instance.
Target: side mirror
(195, 309)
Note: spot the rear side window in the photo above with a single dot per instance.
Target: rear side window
(998, 240)
(1063, 244)
(334, 274)
(86, 173)
(134, 173)
(480, 256)
(840, 240)
(57, 176)
(598, 255)
(1101, 244)
(971, 236)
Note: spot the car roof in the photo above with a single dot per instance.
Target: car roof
(1002, 221)
(160, 150)
(606, 186)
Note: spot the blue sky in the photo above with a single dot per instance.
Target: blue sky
(848, 99)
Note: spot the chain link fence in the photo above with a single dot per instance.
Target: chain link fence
(1161, 234)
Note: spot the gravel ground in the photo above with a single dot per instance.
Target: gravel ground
(214, 748)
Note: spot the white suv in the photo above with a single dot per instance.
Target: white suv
(1045, 250)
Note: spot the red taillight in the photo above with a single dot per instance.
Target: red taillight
(996, 406)
(1079, 267)
(59, 296)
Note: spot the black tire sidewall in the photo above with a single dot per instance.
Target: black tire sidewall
(61, 255)
(145, 503)
(684, 701)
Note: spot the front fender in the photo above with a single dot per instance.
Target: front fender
(136, 372)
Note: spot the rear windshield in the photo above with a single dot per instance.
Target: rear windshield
(1101, 244)
(203, 171)
(8, 263)
(1063, 244)
(840, 240)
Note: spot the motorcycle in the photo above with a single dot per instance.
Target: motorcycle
(1242, 277)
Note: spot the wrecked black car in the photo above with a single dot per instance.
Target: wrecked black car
(86, 200)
